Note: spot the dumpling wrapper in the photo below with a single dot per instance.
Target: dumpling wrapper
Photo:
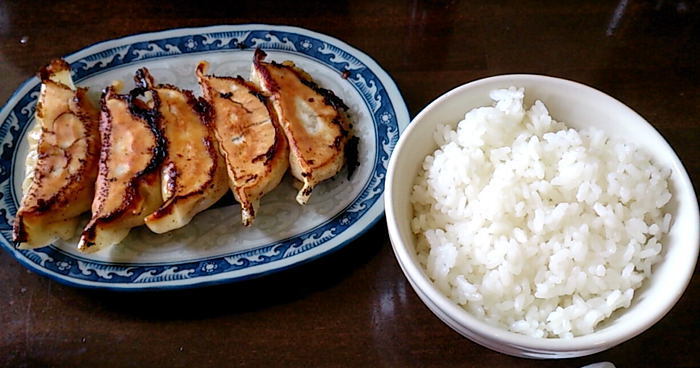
(314, 120)
(193, 174)
(250, 139)
(128, 182)
(62, 163)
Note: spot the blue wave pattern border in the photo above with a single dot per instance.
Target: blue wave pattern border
(72, 268)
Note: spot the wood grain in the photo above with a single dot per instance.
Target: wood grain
(354, 307)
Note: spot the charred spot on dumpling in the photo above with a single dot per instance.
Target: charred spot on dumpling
(314, 120)
(259, 95)
(249, 137)
(193, 174)
(131, 153)
(63, 165)
(352, 155)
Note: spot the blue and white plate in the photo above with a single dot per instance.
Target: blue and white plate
(214, 247)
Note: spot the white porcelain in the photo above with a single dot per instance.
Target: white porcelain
(578, 106)
(214, 247)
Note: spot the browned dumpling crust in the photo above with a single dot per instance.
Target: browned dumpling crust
(193, 174)
(249, 136)
(62, 163)
(128, 182)
(314, 120)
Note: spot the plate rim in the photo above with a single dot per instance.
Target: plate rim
(392, 91)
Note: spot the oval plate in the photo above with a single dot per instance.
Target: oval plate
(214, 247)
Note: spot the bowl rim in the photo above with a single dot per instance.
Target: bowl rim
(602, 339)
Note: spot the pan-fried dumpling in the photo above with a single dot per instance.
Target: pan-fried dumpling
(193, 174)
(128, 182)
(314, 121)
(62, 161)
(253, 144)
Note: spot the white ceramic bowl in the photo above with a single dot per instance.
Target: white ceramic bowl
(578, 106)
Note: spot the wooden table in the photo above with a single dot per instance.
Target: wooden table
(354, 307)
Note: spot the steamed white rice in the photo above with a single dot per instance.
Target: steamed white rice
(533, 226)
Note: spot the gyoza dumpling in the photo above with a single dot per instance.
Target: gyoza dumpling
(193, 174)
(62, 161)
(314, 121)
(251, 141)
(128, 182)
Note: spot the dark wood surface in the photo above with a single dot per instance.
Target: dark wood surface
(354, 307)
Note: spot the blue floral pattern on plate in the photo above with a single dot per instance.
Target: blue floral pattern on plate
(379, 96)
